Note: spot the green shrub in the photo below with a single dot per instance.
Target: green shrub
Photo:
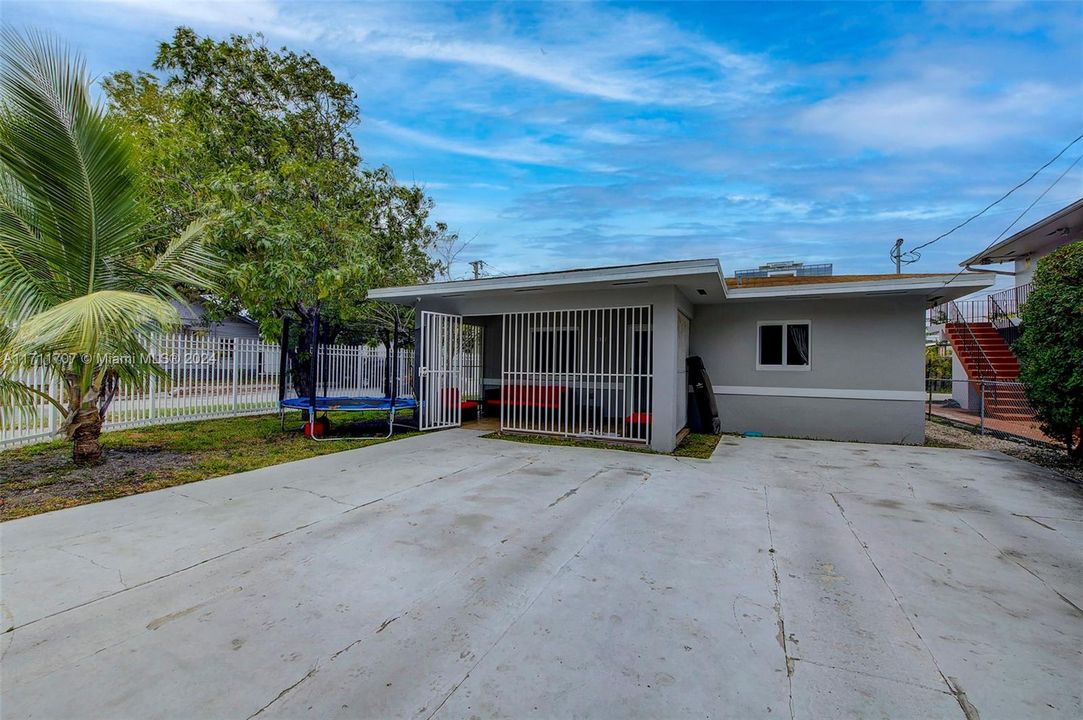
(1050, 349)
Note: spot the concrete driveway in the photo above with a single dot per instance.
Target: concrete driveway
(450, 576)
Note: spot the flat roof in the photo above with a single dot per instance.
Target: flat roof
(703, 274)
(743, 282)
(701, 281)
(935, 288)
(1041, 238)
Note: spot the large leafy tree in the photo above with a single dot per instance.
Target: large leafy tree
(264, 137)
(1050, 348)
(82, 286)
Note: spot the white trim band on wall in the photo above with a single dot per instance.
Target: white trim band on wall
(835, 393)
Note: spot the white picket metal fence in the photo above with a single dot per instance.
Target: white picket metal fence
(211, 377)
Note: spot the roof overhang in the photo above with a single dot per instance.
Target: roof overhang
(699, 280)
(1039, 239)
(934, 289)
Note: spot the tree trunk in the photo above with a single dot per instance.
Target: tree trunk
(86, 430)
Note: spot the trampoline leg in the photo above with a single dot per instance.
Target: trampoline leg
(390, 423)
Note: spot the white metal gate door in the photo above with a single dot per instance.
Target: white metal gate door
(684, 327)
(440, 371)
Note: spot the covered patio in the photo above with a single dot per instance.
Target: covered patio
(596, 353)
(580, 372)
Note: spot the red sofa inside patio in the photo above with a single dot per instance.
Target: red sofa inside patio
(546, 397)
(452, 395)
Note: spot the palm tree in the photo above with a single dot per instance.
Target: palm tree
(80, 289)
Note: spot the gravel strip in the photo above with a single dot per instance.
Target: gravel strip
(1047, 456)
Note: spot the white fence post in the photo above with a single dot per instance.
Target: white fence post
(233, 345)
(361, 368)
(54, 387)
(152, 401)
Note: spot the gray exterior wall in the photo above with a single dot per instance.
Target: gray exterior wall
(961, 391)
(865, 378)
(665, 301)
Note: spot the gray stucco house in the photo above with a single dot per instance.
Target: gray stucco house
(600, 352)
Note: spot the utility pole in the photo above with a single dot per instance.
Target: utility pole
(896, 253)
(477, 265)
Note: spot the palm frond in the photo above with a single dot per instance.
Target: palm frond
(107, 322)
(73, 162)
(187, 261)
(16, 393)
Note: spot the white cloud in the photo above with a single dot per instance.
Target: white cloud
(517, 151)
(249, 15)
(938, 110)
(581, 50)
(608, 135)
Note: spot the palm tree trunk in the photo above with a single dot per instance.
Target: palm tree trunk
(86, 430)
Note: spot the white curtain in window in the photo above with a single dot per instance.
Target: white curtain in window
(799, 338)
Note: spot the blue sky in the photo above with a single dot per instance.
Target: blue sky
(575, 134)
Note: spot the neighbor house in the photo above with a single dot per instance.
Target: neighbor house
(982, 330)
(600, 352)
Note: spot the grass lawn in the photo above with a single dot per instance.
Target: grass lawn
(694, 445)
(39, 478)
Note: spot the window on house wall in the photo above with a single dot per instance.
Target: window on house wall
(783, 345)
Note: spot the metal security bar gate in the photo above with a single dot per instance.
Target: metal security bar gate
(440, 362)
(581, 373)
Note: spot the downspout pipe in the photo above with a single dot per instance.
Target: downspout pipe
(970, 268)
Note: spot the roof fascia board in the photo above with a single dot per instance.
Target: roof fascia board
(972, 281)
(996, 249)
(659, 271)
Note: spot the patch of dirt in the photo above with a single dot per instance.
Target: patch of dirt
(942, 435)
(51, 477)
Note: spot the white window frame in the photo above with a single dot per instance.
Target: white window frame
(785, 346)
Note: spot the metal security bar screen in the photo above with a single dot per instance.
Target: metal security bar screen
(440, 370)
(581, 373)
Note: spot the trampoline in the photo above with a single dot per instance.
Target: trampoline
(349, 404)
(323, 403)
(313, 403)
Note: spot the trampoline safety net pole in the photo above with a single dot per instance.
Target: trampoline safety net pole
(313, 361)
(393, 375)
(284, 343)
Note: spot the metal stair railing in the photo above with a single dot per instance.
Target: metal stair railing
(974, 351)
(1010, 302)
(996, 311)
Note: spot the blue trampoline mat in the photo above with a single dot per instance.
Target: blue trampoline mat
(349, 404)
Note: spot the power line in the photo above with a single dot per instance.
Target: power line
(1020, 215)
(997, 201)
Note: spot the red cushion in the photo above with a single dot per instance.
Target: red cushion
(543, 396)
(640, 418)
(451, 395)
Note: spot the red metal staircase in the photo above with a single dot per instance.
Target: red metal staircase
(986, 357)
